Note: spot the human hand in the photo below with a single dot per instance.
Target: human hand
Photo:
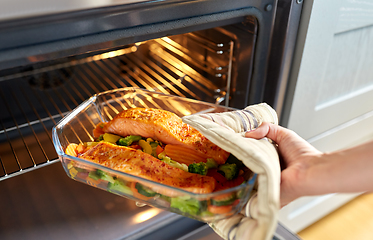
(298, 155)
(258, 220)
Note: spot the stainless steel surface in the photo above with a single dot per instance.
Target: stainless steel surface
(282, 52)
(13, 9)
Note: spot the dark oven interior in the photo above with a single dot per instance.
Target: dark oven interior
(214, 51)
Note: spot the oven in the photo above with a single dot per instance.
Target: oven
(53, 56)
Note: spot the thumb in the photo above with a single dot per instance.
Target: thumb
(264, 130)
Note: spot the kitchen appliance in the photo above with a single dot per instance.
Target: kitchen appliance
(53, 56)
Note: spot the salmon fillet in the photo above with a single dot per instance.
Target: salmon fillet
(138, 163)
(165, 127)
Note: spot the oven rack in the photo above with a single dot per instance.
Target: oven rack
(33, 101)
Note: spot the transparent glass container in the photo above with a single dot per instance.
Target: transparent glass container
(77, 127)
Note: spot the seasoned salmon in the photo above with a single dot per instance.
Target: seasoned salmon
(138, 163)
(166, 127)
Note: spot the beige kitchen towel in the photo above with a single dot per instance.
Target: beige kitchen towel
(258, 220)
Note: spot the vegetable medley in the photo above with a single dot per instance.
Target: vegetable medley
(228, 175)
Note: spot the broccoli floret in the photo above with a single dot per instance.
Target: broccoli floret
(200, 168)
(186, 204)
(230, 170)
(233, 159)
(128, 140)
(211, 163)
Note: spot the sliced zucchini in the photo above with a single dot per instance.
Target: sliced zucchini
(119, 186)
(147, 192)
(93, 175)
(222, 201)
(104, 176)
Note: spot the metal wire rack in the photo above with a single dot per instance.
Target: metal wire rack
(32, 101)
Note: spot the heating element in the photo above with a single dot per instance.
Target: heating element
(33, 100)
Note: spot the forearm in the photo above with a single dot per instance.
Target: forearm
(345, 171)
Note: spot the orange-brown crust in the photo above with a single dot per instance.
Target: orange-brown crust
(166, 127)
(138, 163)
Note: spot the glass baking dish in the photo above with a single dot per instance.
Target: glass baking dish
(77, 127)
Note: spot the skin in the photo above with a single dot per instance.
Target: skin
(309, 172)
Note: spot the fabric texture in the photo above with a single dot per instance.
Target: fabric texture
(258, 220)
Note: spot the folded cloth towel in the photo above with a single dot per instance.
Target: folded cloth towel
(258, 219)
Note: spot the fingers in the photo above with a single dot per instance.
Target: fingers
(259, 132)
(272, 131)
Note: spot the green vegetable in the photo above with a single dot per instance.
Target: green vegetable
(93, 175)
(233, 159)
(127, 141)
(80, 169)
(211, 163)
(186, 204)
(100, 138)
(162, 156)
(147, 192)
(154, 148)
(225, 201)
(206, 214)
(229, 170)
(154, 145)
(166, 198)
(119, 186)
(99, 174)
(199, 168)
(104, 176)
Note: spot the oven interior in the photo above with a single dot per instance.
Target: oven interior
(211, 65)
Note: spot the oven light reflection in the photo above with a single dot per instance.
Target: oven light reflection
(146, 215)
(116, 53)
